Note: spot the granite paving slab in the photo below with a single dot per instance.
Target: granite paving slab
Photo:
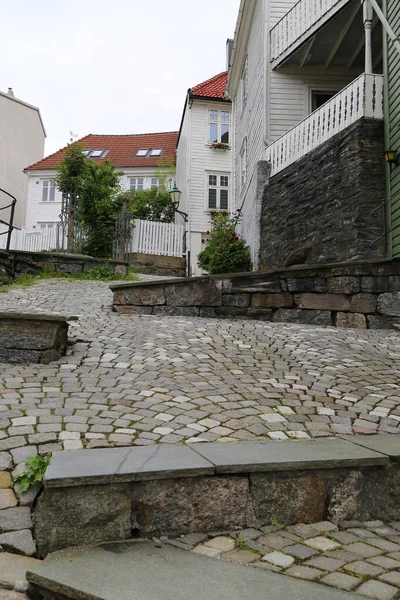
(164, 461)
(385, 444)
(140, 571)
(287, 455)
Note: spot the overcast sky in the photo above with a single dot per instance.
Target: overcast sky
(111, 66)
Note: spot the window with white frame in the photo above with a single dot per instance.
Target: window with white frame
(154, 183)
(136, 183)
(243, 164)
(44, 226)
(219, 126)
(244, 81)
(217, 191)
(49, 190)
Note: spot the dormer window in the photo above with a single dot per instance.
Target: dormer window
(142, 152)
(96, 153)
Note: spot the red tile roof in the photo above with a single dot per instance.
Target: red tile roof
(212, 88)
(121, 150)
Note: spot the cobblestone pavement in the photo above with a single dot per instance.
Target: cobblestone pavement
(144, 380)
(352, 556)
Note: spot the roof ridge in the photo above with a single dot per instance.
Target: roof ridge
(129, 134)
(210, 80)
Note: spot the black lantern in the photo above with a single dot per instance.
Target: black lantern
(175, 197)
(390, 157)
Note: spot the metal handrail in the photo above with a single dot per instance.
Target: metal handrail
(386, 231)
(10, 224)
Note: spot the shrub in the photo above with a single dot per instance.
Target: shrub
(225, 251)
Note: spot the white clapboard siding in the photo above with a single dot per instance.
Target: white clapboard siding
(362, 98)
(29, 240)
(153, 237)
(299, 23)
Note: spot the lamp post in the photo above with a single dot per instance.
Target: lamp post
(390, 157)
(175, 197)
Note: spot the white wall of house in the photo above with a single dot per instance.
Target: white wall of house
(196, 161)
(44, 203)
(21, 143)
(276, 101)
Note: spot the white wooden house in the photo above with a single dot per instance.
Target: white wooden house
(300, 72)
(22, 137)
(204, 161)
(138, 157)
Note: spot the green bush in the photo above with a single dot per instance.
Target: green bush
(225, 251)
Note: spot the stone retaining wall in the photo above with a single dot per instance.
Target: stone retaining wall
(15, 262)
(102, 495)
(32, 338)
(358, 295)
(319, 209)
(160, 265)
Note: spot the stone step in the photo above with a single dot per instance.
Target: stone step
(93, 496)
(140, 571)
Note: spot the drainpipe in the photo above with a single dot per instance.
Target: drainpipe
(368, 18)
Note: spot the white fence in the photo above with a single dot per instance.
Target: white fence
(31, 240)
(362, 98)
(152, 237)
(300, 22)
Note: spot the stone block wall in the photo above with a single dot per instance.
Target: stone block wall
(318, 210)
(358, 295)
(153, 264)
(20, 261)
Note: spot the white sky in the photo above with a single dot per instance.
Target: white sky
(111, 66)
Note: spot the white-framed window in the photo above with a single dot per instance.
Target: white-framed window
(243, 164)
(154, 183)
(46, 226)
(136, 183)
(48, 190)
(219, 126)
(142, 152)
(217, 191)
(244, 82)
(156, 152)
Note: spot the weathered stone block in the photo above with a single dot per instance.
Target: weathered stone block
(180, 311)
(207, 312)
(14, 519)
(351, 320)
(389, 304)
(266, 300)
(289, 498)
(194, 293)
(179, 506)
(380, 285)
(27, 334)
(81, 515)
(140, 296)
(363, 303)
(249, 313)
(322, 301)
(242, 300)
(379, 322)
(128, 309)
(306, 317)
(307, 284)
(344, 285)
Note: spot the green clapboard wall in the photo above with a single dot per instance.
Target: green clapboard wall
(393, 15)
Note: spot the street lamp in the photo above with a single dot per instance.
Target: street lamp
(391, 157)
(175, 197)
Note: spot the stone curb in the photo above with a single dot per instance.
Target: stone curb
(83, 467)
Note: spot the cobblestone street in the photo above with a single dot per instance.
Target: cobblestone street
(144, 380)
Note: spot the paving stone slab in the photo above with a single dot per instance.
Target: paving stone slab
(109, 465)
(250, 457)
(384, 444)
(377, 590)
(106, 573)
(14, 567)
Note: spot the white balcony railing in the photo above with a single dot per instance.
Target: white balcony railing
(362, 98)
(302, 21)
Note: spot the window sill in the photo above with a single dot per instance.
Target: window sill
(222, 147)
(50, 202)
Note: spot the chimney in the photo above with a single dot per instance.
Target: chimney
(10, 92)
(229, 47)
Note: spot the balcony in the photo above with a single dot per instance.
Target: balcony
(362, 98)
(298, 25)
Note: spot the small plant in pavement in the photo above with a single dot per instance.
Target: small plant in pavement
(37, 466)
